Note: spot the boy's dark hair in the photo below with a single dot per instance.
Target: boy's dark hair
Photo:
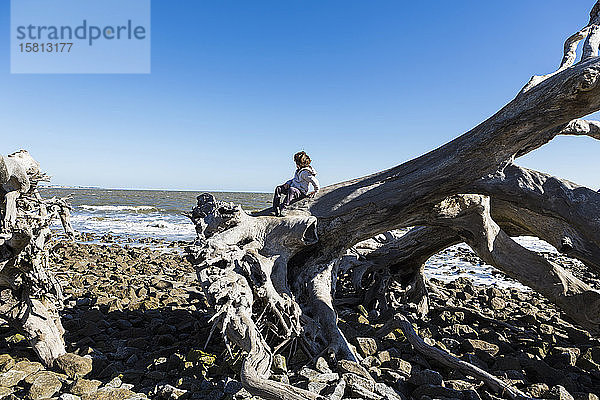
(302, 159)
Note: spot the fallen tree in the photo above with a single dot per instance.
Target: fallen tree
(272, 280)
(30, 296)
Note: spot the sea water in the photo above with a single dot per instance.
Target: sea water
(141, 214)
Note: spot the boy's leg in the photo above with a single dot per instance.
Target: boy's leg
(279, 191)
(293, 195)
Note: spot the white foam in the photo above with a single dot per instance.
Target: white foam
(160, 227)
(449, 265)
(118, 208)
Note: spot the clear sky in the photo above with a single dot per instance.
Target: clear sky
(238, 86)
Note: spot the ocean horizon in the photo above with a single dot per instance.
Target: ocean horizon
(137, 215)
(140, 214)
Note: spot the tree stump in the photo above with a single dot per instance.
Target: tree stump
(30, 296)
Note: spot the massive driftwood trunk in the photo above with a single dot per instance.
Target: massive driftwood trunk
(30, 296)
(271, 280)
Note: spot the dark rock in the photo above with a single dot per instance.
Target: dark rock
(402, 366)
(562, 356)
(425, 377)
(504, 363)
(436, 392)
(559, 393)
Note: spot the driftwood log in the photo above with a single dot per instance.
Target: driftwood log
(272, 280)
(30, 296)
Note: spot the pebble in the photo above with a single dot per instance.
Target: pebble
(141, 323)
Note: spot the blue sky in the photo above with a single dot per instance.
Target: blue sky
(238, 86)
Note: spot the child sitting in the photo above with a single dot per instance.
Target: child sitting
(296, 188)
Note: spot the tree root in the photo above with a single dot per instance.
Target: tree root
(30, 296)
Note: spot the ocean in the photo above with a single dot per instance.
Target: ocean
(139, 214)
(155, 214)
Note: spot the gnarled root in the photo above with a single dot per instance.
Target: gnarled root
(242, 262)
(30, 296)
(37, 320)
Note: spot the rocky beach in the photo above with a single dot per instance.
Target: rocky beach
(137, 326)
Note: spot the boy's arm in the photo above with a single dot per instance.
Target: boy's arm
(315, 183)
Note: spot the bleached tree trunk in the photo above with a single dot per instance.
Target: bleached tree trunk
(263, 271)
(30, 296)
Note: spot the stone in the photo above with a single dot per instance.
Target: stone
(339, 390)
(12, 378)
(353, 368)
(384, 356)
(45, 385)
(322, 366)
(168, 391)
(387, 392)
(354, 381)
(5, 392)
(6, 362)
(585, 396)
(497, 303)
(316, 387)
(546, 329)
(425, 377)
(328, 377)
(436, 392)
(279, 364)
(73, 365)
(475, 344)
(401, 366)
(115, 382)
(367, 346)
(68, 396)
(464, 331)
(85, 386)
(560, 393)
(28, 367)
(458, 384)
(109, 393)
(308, 373)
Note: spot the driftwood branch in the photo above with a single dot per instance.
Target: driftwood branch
(30, 296)
(399, 321)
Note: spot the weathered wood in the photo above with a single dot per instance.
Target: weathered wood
(30, 296)
(526, 202)
(288, 267)
(399, 321)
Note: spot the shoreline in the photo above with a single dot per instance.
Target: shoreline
(139, 314)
